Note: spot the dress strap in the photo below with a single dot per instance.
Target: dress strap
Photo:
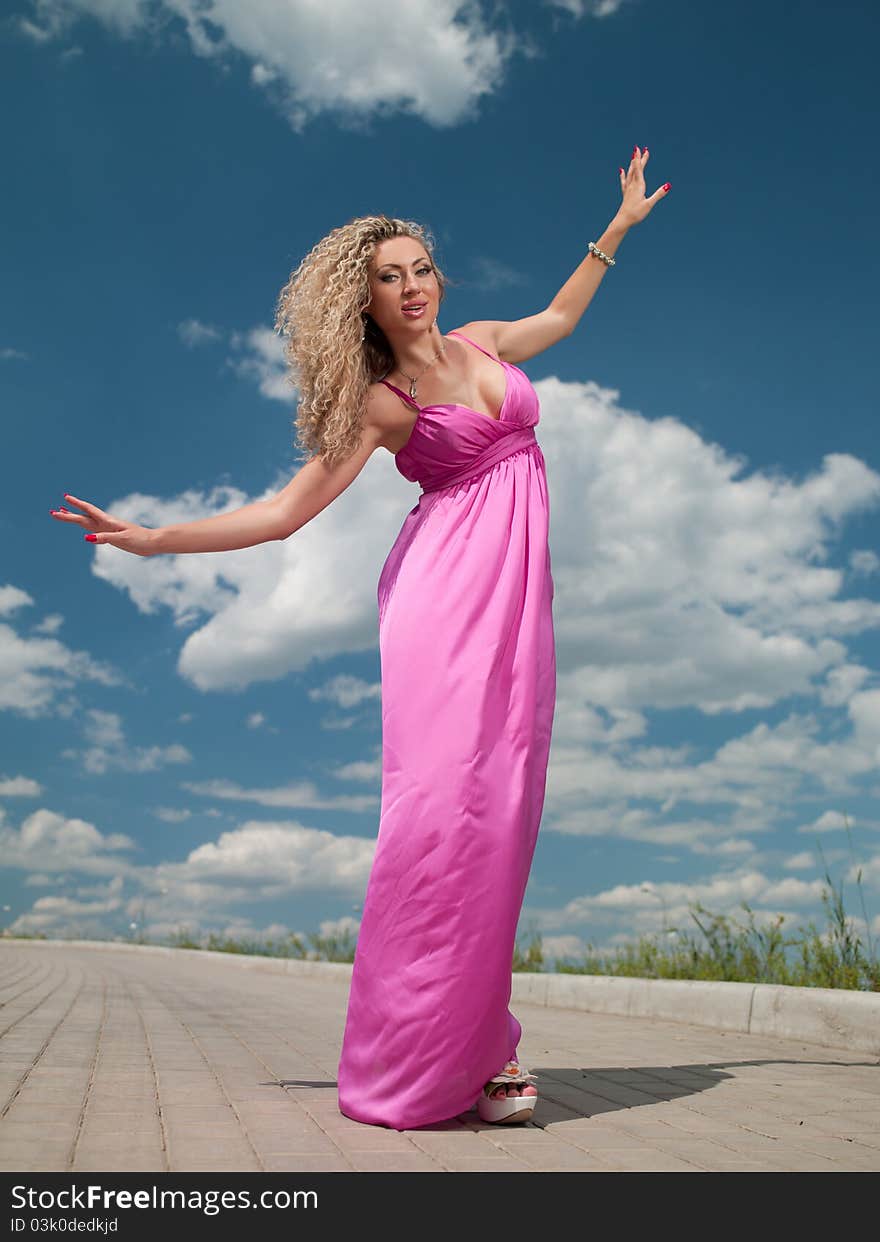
(405, 395)
(475, 345)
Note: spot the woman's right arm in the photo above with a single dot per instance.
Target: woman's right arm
(311, 489)
(315, 486)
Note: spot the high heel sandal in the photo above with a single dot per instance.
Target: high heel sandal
(510, 1108)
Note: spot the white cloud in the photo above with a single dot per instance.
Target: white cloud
(304, 795)
(50, 624)
(587, 8)
(53, 17)
(795, 892)
(109, 749)
(361, 770)
(346, 58)
(36, 671)
(260, 861)
(679, 584)
(648, 906)
(569, 946)
(275, 608)
(491, 274)
(38, 34)
(252, 863)
(345, 926)
(12, 598)
(864, 709)
(829, 821)
(65, 916)
(243, 930)
(106, 889)
(172, 815)
(259, 720)
(869, 868)
(628, 911)
(864, 561)
(193, 332)
(841, 683)
(347, 691)
(262, 360)
(48, 842)
(19, 787)
(748, 786)
(730, 846)
(86, 912)
(804, 861)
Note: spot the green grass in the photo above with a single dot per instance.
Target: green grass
(729, 949)
(722, 948)
(317, 948)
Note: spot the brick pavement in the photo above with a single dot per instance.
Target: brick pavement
(136, 1061)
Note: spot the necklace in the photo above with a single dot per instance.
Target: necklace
(413, 378)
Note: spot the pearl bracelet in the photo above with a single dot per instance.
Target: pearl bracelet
(600, 254)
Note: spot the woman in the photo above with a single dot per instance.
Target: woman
(466, 643)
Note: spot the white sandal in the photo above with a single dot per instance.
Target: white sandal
(511, 1108)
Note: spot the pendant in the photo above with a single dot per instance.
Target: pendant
(412, 389)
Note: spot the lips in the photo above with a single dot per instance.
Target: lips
(414, 311)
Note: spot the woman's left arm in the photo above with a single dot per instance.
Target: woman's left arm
(576, 294)
(519, 339)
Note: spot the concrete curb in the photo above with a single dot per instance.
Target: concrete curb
(830, 1017)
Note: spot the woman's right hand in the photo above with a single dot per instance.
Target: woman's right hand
(108, 529)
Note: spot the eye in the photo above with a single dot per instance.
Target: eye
(422, 271)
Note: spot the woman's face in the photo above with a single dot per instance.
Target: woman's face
(400, 274)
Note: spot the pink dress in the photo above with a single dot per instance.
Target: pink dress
(468, 663)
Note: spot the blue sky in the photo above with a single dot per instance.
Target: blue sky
(196, 740)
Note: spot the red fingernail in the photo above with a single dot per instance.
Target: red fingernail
(92, 538)
(668, 186)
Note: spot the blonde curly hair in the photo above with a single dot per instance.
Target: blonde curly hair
(333, 349)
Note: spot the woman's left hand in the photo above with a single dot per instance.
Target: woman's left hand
(635, 205)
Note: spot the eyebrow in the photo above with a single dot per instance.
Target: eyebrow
(416, 262)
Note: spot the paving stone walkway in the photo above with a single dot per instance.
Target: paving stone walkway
(116, 1060)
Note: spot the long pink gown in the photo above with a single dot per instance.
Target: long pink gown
(468, 666)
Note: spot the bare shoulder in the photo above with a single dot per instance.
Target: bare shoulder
(386, 415)
(483, 332)
(517, 340)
